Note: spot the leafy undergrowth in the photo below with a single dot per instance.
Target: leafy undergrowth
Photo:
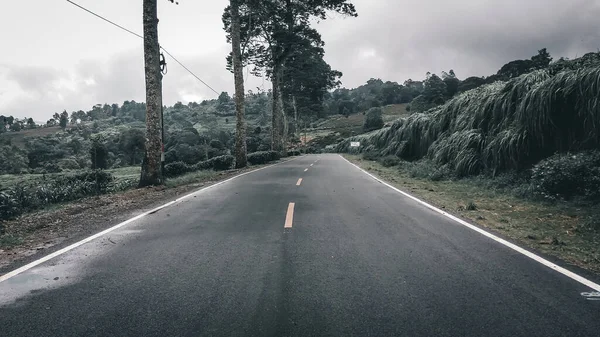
(568, 230)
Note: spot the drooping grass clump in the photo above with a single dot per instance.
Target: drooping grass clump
(502, 126)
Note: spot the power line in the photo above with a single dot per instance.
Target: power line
(107, 20)
(141, 37)
(184, 67)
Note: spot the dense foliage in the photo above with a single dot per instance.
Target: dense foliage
(263, 157)
(24, 197)
(373, 120)
(564, 176)
(506, 125)
(219, 163)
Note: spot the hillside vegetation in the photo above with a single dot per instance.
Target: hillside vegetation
(504, 126)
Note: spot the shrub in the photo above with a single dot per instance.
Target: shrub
(373, 120)
(263, 157)
(100, 178)
(370, 155)
(389, 161)
(564, 176)
(440, 173)
(422, 169)
(99, 155)
(217, 144)
(293, 153)
(9, 205)
(219, 163)
(123, 185)
(177, 168)
(23, 198)
(52, 168)
(203, 165)
(69, 164)
(222, 163)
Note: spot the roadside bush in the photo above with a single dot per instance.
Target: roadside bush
(52, 168)
(69, 164)
(99, 155)
(263, 157)
(9, 206)
(440, 173)
(293, 153)
(389, 161)
(373, 120)
(422, 169)
(27, 197)
(177, 168)
(100, 179)
(203, 165)
(311, 149)
(222, 163)
(370, 155)
(217, 144)
(219, 163)
(564, 176)
(123, 185)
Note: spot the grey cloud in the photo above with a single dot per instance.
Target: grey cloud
(114, 81)
(33, 78)
(391, 39)
(471, 37)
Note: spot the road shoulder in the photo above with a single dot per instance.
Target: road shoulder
(37, 234)
(554, 231)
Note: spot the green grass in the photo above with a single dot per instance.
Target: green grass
(9, 240)
(20, 138)
(191, 178)
(353, 124)
(568, 230)
(126, 172)
(9, 180)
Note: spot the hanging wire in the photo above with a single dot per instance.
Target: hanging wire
(141, 37)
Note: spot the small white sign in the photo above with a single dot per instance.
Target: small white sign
(354, 144)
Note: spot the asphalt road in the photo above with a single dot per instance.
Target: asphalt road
(359, 260)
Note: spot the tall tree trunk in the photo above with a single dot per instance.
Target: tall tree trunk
(240, 140)
(295, 110)
(284, 131)
(151, 165)
(277, 116)
(296, 125)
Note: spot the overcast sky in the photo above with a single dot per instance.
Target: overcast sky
(56, 56)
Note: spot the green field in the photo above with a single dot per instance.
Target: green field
(353, 124)
(9, 180)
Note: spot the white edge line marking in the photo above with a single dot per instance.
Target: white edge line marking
(124, 223)
(311, 164)
(299, 182)
(510, 245)
(305, 170)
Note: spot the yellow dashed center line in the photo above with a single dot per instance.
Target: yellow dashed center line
(289, 218)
